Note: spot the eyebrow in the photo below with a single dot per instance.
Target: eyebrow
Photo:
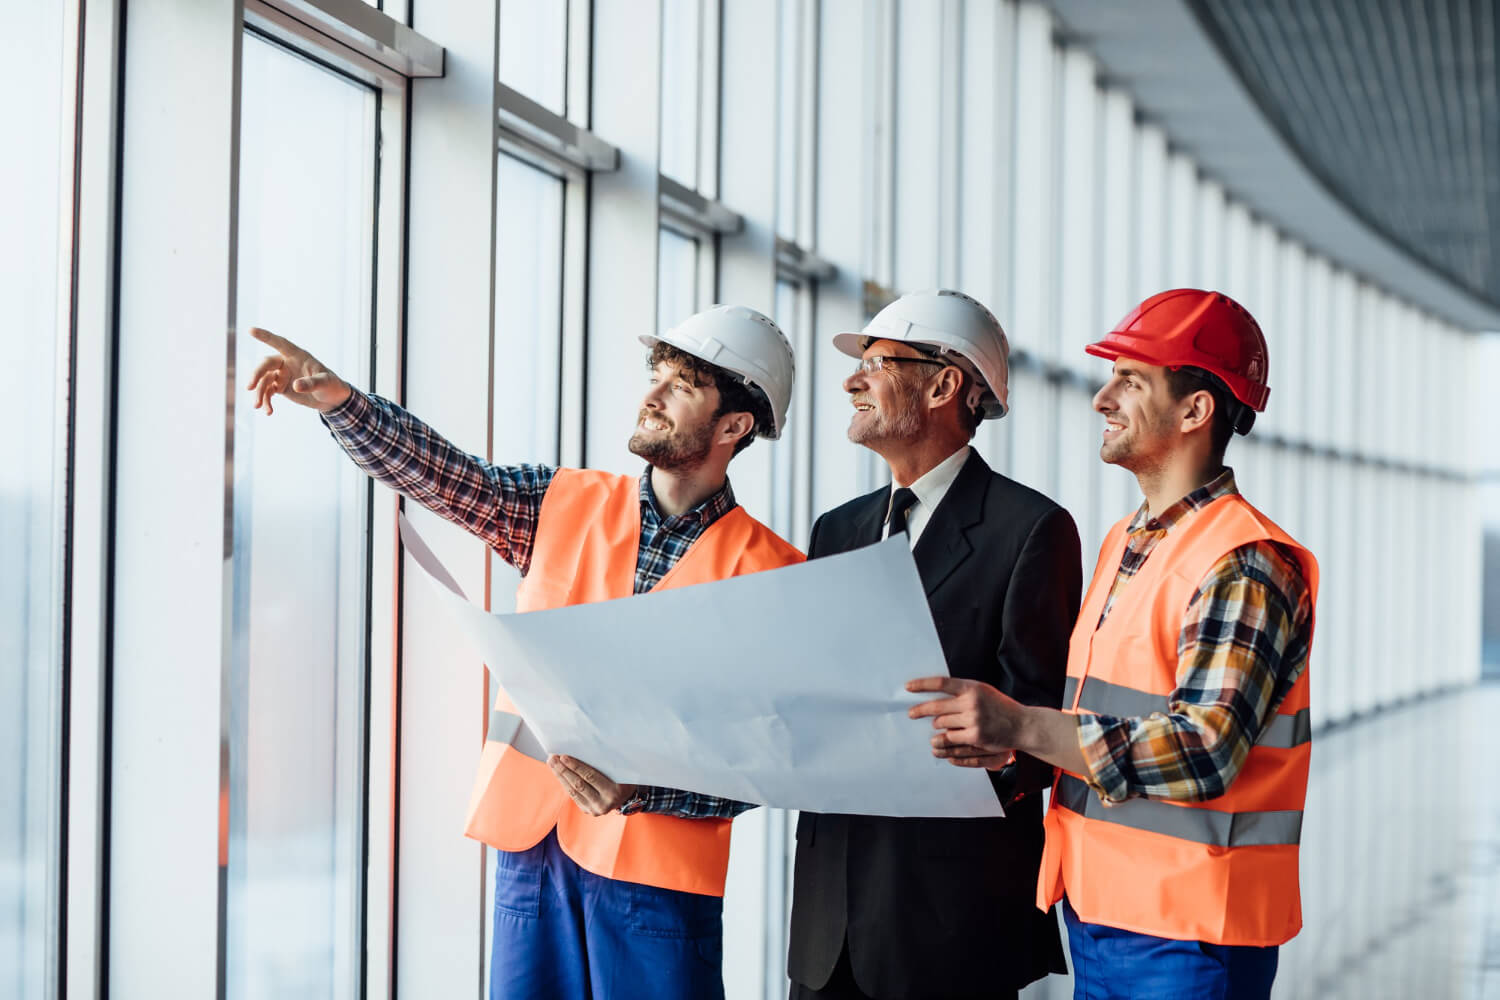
(678, 373)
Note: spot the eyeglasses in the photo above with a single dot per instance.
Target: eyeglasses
(878, 362)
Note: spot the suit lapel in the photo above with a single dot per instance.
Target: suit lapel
(944, 544)
(869, 523)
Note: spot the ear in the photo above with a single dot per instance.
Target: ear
(733, 426)
(948, 384)
(1197, 411)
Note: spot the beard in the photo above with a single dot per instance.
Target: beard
(675, 449)
(901, 422)
(1114, 452)
(1138, 446)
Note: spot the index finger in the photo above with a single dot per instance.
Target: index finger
(938, 706)
(271, 340)
(579, 768)
(950, 685)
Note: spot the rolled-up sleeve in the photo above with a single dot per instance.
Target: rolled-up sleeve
(1243, 644)
(684, 805)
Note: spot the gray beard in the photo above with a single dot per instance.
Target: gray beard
(902, 424)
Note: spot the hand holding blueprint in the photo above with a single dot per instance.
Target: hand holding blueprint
(784, 688)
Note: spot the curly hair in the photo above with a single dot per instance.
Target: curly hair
(735, 394)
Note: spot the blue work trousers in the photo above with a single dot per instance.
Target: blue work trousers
(1113, 964)
(563, 933)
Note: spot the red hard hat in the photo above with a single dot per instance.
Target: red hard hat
(1188, 326)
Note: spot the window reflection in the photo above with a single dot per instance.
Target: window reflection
(299, 568)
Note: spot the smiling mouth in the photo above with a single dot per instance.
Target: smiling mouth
(652, 424)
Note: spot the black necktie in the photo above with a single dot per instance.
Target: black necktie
(902, 501)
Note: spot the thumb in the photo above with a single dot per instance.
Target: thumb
(316, 384)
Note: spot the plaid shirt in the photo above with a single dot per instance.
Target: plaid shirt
(501, 504)
(1243, 644)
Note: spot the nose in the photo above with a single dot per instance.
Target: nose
(856, 382)
(652, 400)
(1104, 398)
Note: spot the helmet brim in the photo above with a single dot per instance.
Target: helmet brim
(1113, 350)
(851, 344)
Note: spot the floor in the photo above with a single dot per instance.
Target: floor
(1400, 858)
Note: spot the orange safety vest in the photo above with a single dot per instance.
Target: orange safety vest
(1222, 871)
(587, 541)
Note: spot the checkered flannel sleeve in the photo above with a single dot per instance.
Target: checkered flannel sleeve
(499, 503)
(687, 805)
(1243, 644)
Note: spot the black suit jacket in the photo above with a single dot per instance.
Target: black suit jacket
(946, 907)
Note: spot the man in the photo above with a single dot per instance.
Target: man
(1184, 743)
(601, 890)
(886, 907)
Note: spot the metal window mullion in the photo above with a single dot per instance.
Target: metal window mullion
(92, 389)
(383, 570)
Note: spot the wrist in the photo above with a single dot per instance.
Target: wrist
(345, 393)
(1028, 731)
(635, 800)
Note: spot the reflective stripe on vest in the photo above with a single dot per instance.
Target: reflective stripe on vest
(586, 547)
(1104, 698)
(1201, 826)
(1222, 871)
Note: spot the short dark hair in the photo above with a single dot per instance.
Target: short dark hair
(1187, 379)
(735, 394)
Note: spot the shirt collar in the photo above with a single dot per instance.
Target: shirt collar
(933, 484)
(1221, 485)
(706, 512)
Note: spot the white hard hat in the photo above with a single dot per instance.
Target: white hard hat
(740, 340)
(953, 323)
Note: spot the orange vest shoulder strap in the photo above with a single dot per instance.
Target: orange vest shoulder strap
(733, 545)
(586, 516)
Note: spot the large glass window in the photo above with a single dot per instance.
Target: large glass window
(300, 580)
(791, 505)
(681, 81)
(33, 199)
(528, 312)
(677, 279)
(788, 101)
(534, 50)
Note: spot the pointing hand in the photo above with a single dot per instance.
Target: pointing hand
(295, 374)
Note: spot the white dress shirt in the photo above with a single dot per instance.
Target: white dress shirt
(930, 490)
